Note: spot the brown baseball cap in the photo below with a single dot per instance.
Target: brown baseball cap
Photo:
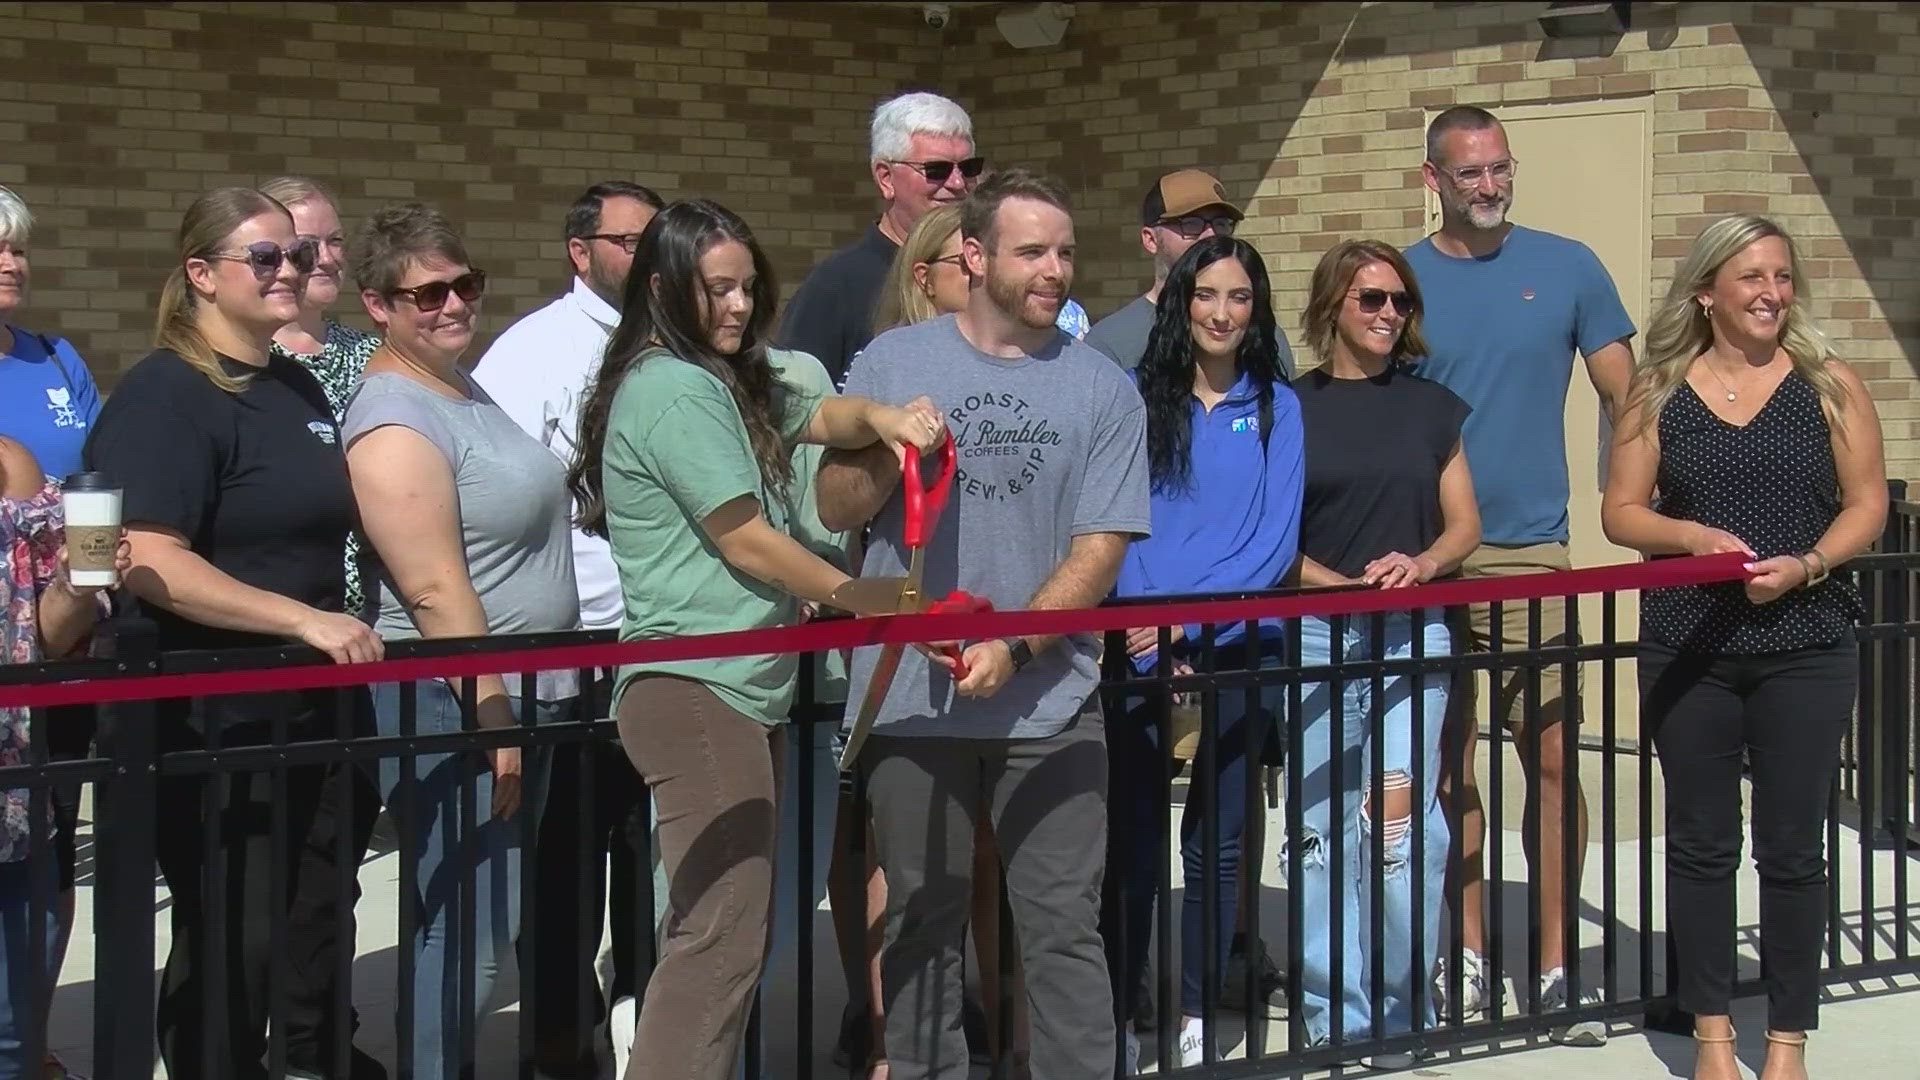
(1178, 194)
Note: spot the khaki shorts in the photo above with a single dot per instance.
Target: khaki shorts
(1476, 634)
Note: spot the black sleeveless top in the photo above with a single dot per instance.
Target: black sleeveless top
(1774, 485)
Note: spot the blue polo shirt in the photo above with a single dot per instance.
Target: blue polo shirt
(1502, 330)
(47, 400)
(1237, 525)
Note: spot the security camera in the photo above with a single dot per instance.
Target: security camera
(937, 15)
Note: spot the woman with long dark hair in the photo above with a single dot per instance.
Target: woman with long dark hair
(685, 465)
(1744, 433)
(1224, 454)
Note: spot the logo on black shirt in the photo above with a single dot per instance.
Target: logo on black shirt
(322, 429)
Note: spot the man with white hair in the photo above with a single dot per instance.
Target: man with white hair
(921, 157)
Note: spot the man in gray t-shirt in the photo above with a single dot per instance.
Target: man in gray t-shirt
(1051, 487)
(1179, 210)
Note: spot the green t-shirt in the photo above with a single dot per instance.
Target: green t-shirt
(805, 372)
(676, 451)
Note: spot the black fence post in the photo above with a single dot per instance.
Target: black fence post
(1891, 743)
(123, 845)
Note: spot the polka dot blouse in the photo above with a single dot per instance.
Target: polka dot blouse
(1773, 484)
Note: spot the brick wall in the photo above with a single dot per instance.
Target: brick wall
(116, 115)
(1313, 114)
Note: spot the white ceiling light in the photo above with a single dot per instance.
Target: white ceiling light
(1034, 26)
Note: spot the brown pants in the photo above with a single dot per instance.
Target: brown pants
(715, 776)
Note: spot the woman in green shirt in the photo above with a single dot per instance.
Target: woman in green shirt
(686, 467)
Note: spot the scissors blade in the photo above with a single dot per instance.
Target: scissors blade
(882, 678)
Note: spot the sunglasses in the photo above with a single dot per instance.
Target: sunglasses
(433, 295)
(265, 256)
(1191, 226)
(937, 172)
(1372, 300)
(627, 241)
(957, 260)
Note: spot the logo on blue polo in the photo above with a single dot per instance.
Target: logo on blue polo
(1246, 423)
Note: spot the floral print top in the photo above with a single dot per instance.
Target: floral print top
(31, 533)
(338, 365)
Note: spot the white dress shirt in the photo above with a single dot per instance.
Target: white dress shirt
(540, 371)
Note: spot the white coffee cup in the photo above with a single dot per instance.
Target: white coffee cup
(92, 506)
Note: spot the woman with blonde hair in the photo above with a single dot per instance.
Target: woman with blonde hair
(927, 278)
(237, 506)
(1744, 433)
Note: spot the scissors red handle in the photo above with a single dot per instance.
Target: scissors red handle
(959, 603)
(926, 501)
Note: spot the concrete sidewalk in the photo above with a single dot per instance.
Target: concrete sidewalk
(1870, 1030)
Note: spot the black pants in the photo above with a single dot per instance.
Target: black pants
(215, 994)
(1783, 713)
(573, 871)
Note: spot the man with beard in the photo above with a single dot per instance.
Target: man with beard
(1051, 487)
(538, 370)
(1180, 210)
(1506, 307)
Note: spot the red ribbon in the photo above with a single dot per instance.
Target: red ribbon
(892, 629)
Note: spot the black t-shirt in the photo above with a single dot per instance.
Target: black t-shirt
(831, 314)
(1375, 452)
(255, 481)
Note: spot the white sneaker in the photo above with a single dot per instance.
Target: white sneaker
(1553, 995)
(621, 1023)
(1473, 987)
(1133, 1052)
(1193, 1044)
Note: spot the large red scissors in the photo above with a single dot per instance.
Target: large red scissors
(902, 595)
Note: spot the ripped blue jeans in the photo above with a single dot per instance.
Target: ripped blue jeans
(1413, 883)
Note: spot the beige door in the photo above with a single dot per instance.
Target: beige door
(1585, 171)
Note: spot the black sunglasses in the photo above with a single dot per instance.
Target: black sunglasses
(433, 295)
(265, 256)
(1191, 226)
(1372, 300)
(937, 172)
(627, 241)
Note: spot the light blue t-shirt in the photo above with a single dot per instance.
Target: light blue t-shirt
(1502, 330)
(47, 400)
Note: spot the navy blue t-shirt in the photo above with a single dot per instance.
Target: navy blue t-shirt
(1502, 330)
(48, 402)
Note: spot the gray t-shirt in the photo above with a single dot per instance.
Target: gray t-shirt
(1051, 446)
(513, 507)
(1123, 335)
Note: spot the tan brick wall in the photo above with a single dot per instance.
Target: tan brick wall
(115, 115)
(1313, 114)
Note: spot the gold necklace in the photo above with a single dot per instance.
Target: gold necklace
(1716, 377)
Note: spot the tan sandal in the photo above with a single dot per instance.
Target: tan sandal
(1717, 1040)
(1799, 1040)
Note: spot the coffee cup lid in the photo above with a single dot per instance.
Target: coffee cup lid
(88, 481)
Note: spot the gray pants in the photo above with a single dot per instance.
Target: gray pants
(1048, 799)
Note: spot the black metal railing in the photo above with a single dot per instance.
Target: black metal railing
(1616, 968)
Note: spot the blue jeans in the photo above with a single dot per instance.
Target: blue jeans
(1349, 881)
(467, 880)
(23, 990)
(1138, 798)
